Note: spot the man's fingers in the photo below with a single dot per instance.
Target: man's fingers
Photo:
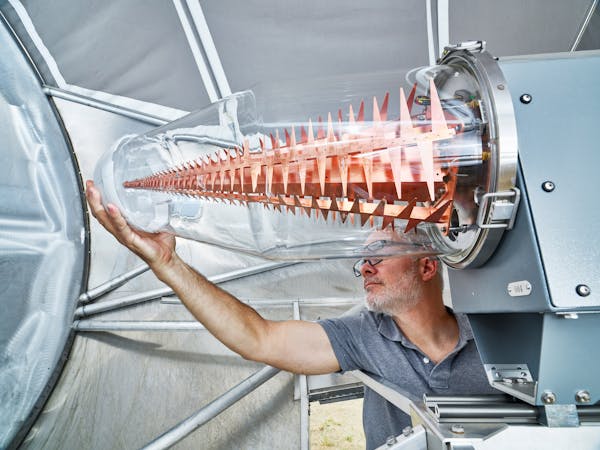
(120, 225)
(94, 199)
(96, 208)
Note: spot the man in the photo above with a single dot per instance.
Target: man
(407, 338)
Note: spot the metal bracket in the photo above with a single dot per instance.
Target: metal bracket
(497, 211)
(560, 416)
(508, 373)
(472, 46)
(513, 379)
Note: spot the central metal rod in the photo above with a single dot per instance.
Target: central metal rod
(211, 410)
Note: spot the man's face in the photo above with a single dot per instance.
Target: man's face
(392, 286)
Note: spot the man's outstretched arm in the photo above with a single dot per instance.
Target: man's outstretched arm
(296, 346)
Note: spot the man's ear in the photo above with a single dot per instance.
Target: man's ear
(428, 268)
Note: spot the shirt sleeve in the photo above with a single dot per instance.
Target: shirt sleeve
(344, 333)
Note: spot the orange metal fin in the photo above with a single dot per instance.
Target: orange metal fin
(330, 135)
(412, 223)
(361, 112)
(269, 186)
(426, 152)
(351, 115)
(310, 137)
(406, 126)
(387, 220)
(367, 163)
(276, 139)
(395, 154)
(320, 132)
(376, 115)
(384, 107)
(343, 166)
(334, 205)
(302, 174)
(285, 174)
(438, 213)
(411, 97)
(254, 173)
(293, 137)
(407, 211)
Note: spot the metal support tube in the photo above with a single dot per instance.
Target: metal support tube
(249, 271)
(157, 325)
(304, 425)
(443, 25)
(486, 412)
(111, 285)
(208, 45)
(99, 104)
(110, 305)
(444, 399)
(430, 40)
(584, 25)
(137, 325)
(589, 411)
(264, 303)
(203, 68)
(211, 410)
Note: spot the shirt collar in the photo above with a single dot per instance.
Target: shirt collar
(388, 329)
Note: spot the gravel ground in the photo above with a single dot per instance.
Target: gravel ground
(337, 425)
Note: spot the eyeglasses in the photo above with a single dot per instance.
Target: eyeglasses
(369, 248)
(361, 262)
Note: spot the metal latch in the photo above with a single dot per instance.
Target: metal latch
(472, 46)
(498, 209)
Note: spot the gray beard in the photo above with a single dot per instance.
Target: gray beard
(396, 299)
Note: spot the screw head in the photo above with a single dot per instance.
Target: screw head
(457, 429)
(525, 99)
(548, 398)
(407, 430)
(583, 290)
(583, 396)
(391, 440)
(548, 186)
(500, 87)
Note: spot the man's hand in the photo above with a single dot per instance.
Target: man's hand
(156, 249)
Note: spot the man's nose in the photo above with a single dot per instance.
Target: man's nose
(367, 269)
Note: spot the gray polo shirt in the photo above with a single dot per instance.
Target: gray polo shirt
(373, 343)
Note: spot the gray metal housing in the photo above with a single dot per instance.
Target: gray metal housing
(527, 305)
